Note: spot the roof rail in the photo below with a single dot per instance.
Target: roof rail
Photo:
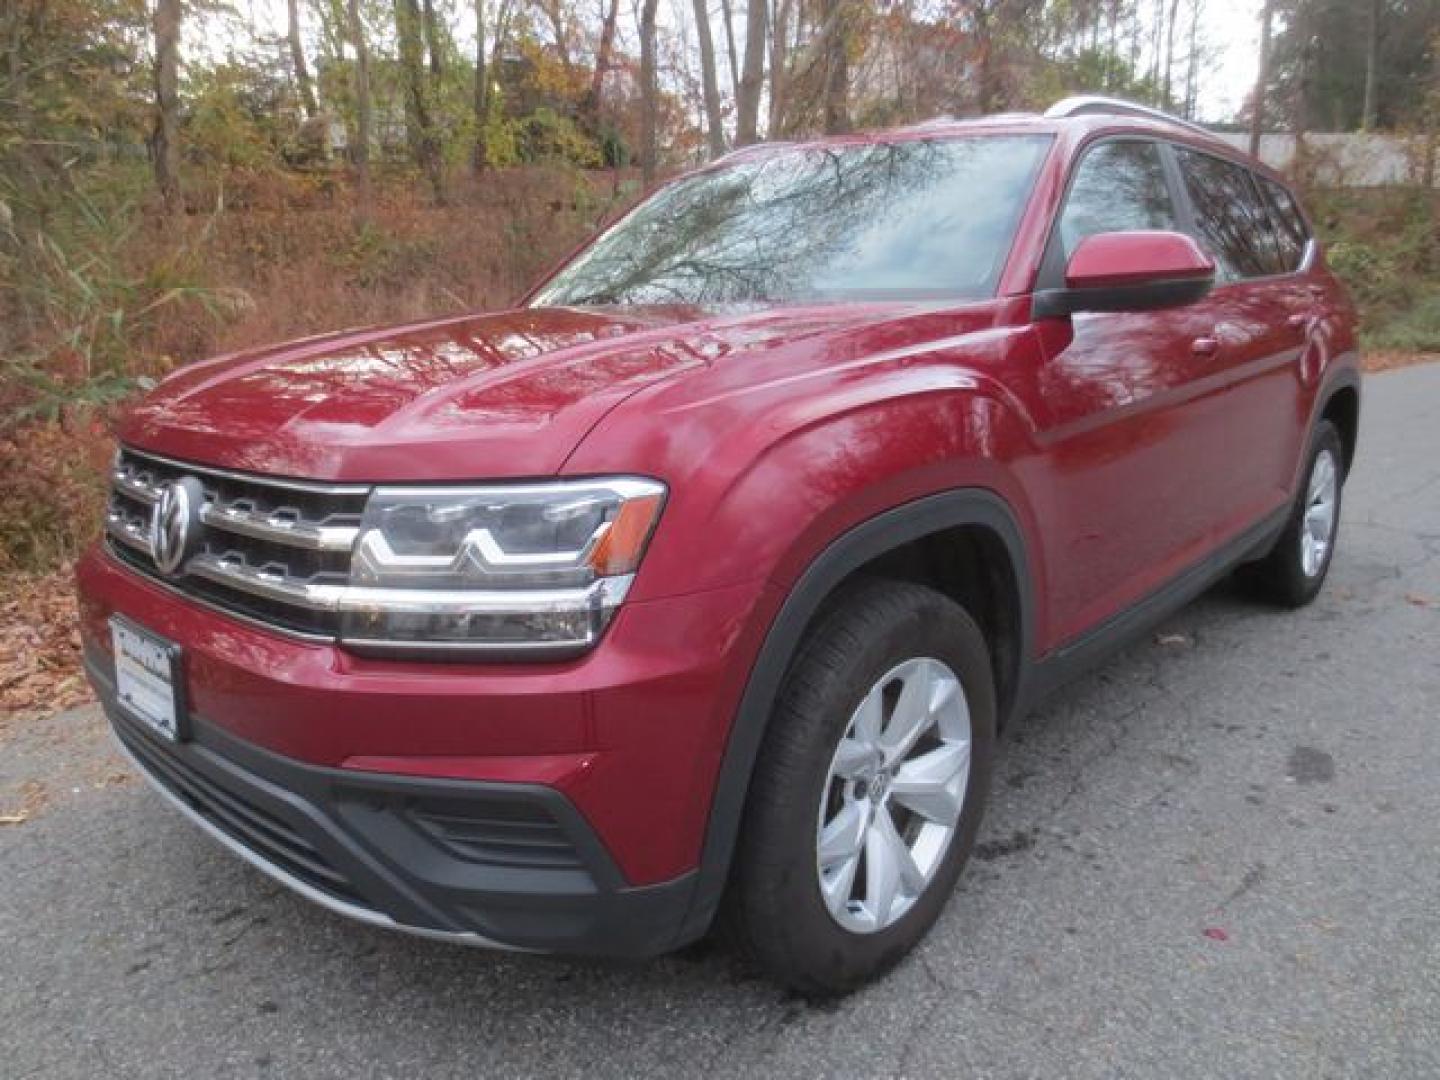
(1092, 104)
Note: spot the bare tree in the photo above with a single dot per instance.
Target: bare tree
(424, 137)
(1372, 56)
(1262, 79)
(480, 152)
(779, 70)
(363, 123)
(1166, 90)
(166, 26)
(592, 103)
(297, 60)
(649, 94)
(837, 67)
(714, 123)
(555, 13)
(728, 18)
(434, 41)
(481, 100)
(752, 78)
(1192, 63)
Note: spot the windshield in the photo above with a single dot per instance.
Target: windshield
(899, 220)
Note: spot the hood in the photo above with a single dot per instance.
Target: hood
(502, 395)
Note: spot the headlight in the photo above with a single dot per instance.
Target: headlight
(523, 568)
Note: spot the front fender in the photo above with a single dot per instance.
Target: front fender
(839, 559)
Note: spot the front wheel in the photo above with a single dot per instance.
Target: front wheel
(1293, 572)
(869, 788)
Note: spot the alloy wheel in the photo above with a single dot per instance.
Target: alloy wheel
(893, 796)
(1317, 528)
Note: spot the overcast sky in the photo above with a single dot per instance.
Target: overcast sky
(1234, 27)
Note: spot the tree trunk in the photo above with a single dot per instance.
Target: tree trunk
(1167, 92)
(714, 122)
(167, 102)
(649, 94)
(481, 101)
(555, 14)
(752, 78)
(1372, 56)
(728, 14)
(297, 60)
(1300, 163)
(593, 97)
(985, 47)
(434, 42)
(480, 153)
(363, 123)
(837, 67)
(779, 83)
(1192, 66)
(424, 140)
(1157, 51)
(1262, 80)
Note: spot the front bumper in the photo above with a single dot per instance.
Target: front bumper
(553, 807)
(494, 864)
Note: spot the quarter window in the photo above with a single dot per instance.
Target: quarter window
(1231, 218)
(1291, 233)
(1118, 186)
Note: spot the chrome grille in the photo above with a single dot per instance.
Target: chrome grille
(272, 550)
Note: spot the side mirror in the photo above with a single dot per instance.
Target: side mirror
(1130, 271)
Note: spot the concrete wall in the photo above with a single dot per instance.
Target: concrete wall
(1343, 159)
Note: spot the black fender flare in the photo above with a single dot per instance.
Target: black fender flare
(1336, 380)
(844, 555)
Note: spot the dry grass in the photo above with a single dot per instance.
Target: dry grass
(306, 264)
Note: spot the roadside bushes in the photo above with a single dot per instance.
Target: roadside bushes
(1385, 244)
(100, 294)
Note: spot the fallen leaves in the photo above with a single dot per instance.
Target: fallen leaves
(1172, 640)
(1389, 359)
(1419, 601)
(39, 646)
(33, 795)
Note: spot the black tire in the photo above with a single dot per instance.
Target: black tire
(774, 910)
(1280, 577)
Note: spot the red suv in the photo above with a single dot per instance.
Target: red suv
(702, 581)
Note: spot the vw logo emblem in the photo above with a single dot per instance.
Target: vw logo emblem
(174, 523)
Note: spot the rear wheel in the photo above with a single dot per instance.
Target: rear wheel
(1294, 570)
(868, 790)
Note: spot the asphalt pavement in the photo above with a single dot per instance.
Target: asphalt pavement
(1218, 856)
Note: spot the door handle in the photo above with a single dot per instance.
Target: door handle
(1205, 346)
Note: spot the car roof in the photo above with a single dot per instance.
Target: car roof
(1077, 118)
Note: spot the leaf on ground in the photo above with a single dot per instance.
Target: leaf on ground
(1418, 600)
(40, 669)
(33, 795)
(1171, 640)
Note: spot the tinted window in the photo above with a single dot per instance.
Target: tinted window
(1291, 234)
(886, 220)
(1230, 216)
(1118, 186)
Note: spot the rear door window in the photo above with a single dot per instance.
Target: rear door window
(1118, 186)
(1230, 216)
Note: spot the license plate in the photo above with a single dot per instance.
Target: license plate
(148, 681)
